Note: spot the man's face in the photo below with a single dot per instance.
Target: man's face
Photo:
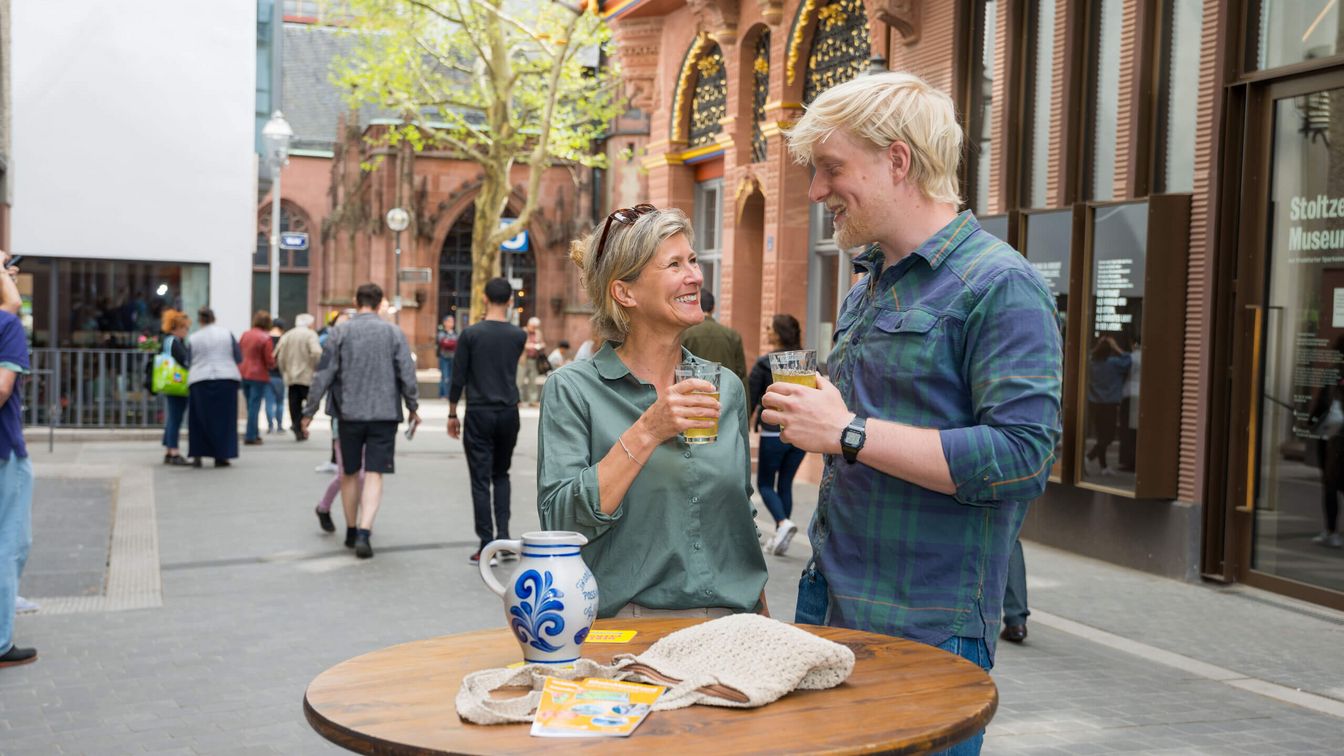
(449, 322)
(853, 179)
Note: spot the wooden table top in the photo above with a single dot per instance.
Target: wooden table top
(903, 697)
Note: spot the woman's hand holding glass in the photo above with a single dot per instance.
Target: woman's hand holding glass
(685, 405)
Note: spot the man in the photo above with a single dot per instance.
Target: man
(446, 345)
(485, 363)
(942, 409)
(559, 357)
(297, 354)
(369, 363)
(713, 341)
(16, 471)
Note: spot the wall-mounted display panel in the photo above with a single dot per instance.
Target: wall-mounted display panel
(1048, 243)
(1129, 366)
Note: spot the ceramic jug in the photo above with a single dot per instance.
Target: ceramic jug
(551, 599)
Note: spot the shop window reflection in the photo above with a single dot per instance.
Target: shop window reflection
(1048, 247)
(1114, 352)
(1291, 31)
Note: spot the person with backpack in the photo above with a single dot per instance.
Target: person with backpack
(175, 326)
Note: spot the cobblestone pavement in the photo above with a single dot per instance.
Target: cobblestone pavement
(207, 647)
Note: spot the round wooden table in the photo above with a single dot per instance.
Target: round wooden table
(903, 697)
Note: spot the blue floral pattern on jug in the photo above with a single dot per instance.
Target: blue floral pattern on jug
(581, 636)
(531, 621)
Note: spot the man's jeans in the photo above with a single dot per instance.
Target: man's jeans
(16, 536)
(489, 435)
(255, 393)
(973, 650)
(445, 376)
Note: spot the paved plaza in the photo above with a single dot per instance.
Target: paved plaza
(184, 611)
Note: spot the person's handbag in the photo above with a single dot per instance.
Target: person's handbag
(169, 377)
(543, 364)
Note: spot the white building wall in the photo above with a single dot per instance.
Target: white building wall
(133, 136)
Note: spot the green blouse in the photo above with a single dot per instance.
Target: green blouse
(684, 535)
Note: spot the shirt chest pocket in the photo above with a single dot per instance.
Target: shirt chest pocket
(901, 343)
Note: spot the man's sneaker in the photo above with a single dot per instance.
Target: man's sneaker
(16, 656)
(1335, 541)
(783, 536)
(362, 548)
(475, 559)
(325, 467)
(324, 519)
(1328, 538)
(350, 534)
(24, 606)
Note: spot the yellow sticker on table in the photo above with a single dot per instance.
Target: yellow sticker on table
(611, 636)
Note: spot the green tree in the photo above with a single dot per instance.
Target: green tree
(495, 82)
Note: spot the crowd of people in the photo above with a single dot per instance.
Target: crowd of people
(937, 412)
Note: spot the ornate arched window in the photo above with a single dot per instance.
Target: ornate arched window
(709, 102)
(839, 47)
(760, 68)
(291, 219)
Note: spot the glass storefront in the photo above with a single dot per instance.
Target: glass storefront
(1299, 458)
(108, 304)
(1048, 247)
(1292, 31)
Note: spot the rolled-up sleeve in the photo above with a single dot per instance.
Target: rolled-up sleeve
(1014, 365)
(567, 493)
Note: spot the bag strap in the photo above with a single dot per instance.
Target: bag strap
(474, 703)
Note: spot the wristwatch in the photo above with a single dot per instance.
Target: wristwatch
(852, 439)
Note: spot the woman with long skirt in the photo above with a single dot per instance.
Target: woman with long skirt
(212, 418)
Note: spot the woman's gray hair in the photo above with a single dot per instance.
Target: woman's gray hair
(303, 320)
(629, 249)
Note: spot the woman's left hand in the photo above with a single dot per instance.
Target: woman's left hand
(811, 419)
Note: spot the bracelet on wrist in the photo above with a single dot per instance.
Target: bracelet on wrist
(621, 441)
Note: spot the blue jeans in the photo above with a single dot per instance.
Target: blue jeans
(776, 464)
(1015, 611)
(177, 408)
(275, 404)
(975, 651)
(445, 376)
(16, 536)
(254, 392)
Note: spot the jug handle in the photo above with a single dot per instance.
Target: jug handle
(488, 553)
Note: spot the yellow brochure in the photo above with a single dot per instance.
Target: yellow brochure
(592, 708)
(611, 636)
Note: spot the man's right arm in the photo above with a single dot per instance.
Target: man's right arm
(322, 378)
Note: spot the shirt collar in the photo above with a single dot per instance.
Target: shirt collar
(934, 251)
(612, 368)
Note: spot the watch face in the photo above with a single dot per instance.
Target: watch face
(851, 437)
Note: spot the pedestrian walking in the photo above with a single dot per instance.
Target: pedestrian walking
(296, 354)
(713, 341)
(1015, 611)
(16, 471)
(175, 326)
(529, 371)
(370, 370)
(275, 400)
(487, 356)
(776, 461)
(212, 399)
(943, 416)
(669, 524)
(1106, 373)
(333, 488)
(258, 361)
(445, 341)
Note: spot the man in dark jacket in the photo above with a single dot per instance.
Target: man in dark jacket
(485, 365)
(369, 362)
(713, 341)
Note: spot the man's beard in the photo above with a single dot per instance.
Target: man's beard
(852, 232)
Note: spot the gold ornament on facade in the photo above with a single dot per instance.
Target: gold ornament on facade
(840, 47)
(681, 101)
(806, 12)
(709, 103)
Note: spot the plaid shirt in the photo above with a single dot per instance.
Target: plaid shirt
(960, 336)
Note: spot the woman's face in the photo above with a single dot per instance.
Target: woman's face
(181, 330)
(667, 292)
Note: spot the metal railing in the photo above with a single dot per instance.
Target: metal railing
(91, 388)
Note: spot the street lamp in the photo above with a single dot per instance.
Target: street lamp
(397, 220)
(275, 136)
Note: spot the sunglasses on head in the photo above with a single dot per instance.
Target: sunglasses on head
(625, 216)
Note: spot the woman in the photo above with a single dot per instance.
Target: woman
(258, 361)
(212, 416)
(669, 526)
(275, 399)
(777, 461)
(175, 325)
(1105, 388)
(534, 348)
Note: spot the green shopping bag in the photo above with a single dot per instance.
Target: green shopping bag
(169, 377)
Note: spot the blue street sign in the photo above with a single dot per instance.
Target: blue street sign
(294, 240)
(517, 243)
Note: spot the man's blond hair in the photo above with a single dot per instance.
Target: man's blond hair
(885, 108)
